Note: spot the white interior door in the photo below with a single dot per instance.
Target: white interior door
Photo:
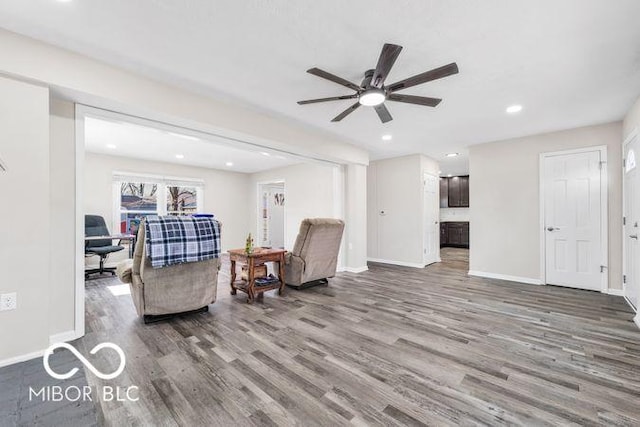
(271, 215)
(431, 219)
(276, 216)
(632, 220)
(572, 220)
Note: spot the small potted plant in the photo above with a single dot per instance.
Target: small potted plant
(248, 248)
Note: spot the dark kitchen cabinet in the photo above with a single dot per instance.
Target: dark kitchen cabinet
(454, 192)
(444, 192)
(454, 234)
(464, 191)
(458, 193)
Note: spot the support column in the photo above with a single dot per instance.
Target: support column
(356, 218)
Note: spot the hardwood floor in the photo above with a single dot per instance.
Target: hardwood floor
(392, 346)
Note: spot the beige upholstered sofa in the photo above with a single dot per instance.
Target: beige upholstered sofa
(180, 288)
(315, 253)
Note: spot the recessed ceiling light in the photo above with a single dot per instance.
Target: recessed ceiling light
(512, 109)
(229, 164)
(179, 156)
(264, 153)
(387, 137)
(64, 1)
(111, 146)
(179, 135)
(452, 154)
(449, 175)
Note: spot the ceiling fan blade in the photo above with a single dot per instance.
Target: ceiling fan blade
(333, 98)
(325, 75)
(387, 58)
(383, 113)
(411, 99)
(427, 76)
(346, 112)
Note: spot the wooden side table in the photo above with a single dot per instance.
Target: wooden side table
(258, 257)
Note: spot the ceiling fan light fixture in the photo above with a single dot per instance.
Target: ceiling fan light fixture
(372, 97)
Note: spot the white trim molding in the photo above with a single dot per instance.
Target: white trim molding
(616, 292)
(400, 263)
(53, 339)
(354, 269)
(21, 358)
(508, 278)
(64, 337)
(636, 320)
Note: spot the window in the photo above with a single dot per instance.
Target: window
(137, 200)
(182, 200)
(630, 162)
(135, 197)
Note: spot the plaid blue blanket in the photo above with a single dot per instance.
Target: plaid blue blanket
(176, 240)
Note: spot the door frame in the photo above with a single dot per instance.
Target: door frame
(604, 209)
(259, 186)
(635, 133)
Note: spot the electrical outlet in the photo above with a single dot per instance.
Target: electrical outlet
(8, 301)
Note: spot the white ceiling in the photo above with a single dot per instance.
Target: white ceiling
(136, 141)
(569, 63)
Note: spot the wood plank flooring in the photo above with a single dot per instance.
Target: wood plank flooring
(392, 346)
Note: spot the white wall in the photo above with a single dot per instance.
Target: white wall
(63, 225)
(24, 217)
(632, 119)
(309, 193)
(395, 187)
(225, 193)
(455, 214)
(505, 200)
(97, 84)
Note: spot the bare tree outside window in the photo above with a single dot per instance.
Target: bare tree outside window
(138, 196)
(181, 200)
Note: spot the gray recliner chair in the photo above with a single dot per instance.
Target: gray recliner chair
(160, 293)
(315, 253)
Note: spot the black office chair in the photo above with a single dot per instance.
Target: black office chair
(94, 225)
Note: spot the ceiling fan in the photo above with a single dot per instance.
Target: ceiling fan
(372, 92)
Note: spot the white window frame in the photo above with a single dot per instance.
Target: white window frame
(161, 194)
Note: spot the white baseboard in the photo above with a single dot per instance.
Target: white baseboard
(527, 280)
(63, 337)
(355, 269)
(400, 263)
(616, 292)
(21, 358)
(53, 339)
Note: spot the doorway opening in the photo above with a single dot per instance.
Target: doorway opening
(573, 213)
(271, 214)
(130, 166)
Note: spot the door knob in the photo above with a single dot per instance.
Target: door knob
(552, 228)
(634, 236)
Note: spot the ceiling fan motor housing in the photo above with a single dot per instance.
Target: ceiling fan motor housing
(368, 75)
